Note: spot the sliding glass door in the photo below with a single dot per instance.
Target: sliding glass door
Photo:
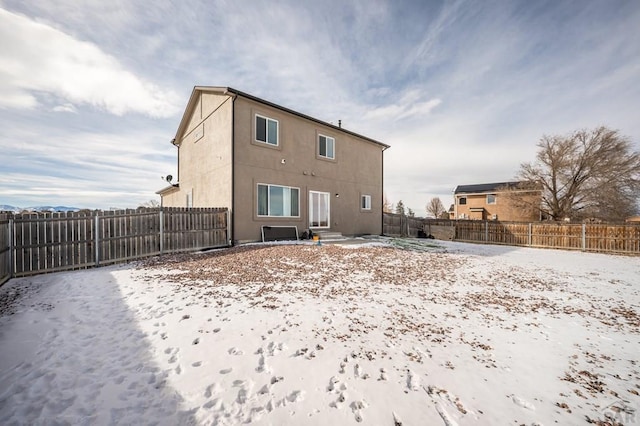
(318, 209)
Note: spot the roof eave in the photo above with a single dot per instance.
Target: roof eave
(483, 188)
(193, 100)
(168, 189)
(229, 91)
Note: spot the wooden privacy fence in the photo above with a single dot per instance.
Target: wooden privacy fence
(5, 259)
(401, 225)
(35, 243)
(605, 238)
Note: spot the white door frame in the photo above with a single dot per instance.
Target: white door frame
(313, 209)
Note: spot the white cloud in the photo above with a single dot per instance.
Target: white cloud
(410, 104)
(461, 91)
(67, 107)
(40, 59)
(13, 97)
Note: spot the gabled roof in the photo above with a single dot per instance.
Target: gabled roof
(485, 187)
(229, 91)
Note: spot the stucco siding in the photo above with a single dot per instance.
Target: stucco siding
(221, 164)
(356, 170)
(173, 199)
(205, 161)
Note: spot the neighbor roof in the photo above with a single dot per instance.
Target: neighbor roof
(484, 187)
(229, 91)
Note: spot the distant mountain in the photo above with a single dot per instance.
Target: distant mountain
(53, 209)
(5, 207)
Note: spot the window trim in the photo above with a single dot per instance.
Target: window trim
(367, 205)
(255, 130)
(326, 157)
(460, 199)
(495, 199)
(269, 215)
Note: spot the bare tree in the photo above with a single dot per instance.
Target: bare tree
(410, 212)
(522, 200)
(386, 206)
(435, 207)
(400, 207)
(587, 174)
(150, 203)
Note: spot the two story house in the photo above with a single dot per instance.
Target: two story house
(272, 166)
(505, 201)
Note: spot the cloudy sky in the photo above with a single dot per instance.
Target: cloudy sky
(92, 92)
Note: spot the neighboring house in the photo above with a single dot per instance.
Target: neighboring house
(506, 201)
(274, 166)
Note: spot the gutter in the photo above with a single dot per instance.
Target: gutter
(173, 142)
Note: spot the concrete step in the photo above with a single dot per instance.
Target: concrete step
(329, 235)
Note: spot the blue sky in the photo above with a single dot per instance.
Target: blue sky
(92, 92)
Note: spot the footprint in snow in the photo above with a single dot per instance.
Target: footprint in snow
(212, 389)
(522, 403)
(357, 407)
(413, 381)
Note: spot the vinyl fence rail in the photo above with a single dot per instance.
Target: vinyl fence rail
(35, 243)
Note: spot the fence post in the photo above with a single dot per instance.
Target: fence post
(486, 230)
(530, 240)
(161, 231)
(406, 226)
(96, 239)
(584, 237)
(229, 233)
(11, 248)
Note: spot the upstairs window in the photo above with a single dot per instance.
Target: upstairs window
(491, 198)
(266, 130)
(326, 147)
(462, 201)
(365, 202)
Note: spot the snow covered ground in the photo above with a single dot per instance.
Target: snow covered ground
(399, 332)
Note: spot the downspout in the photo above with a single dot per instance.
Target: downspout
(173, 142)
(232, 225)
(382, 201)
